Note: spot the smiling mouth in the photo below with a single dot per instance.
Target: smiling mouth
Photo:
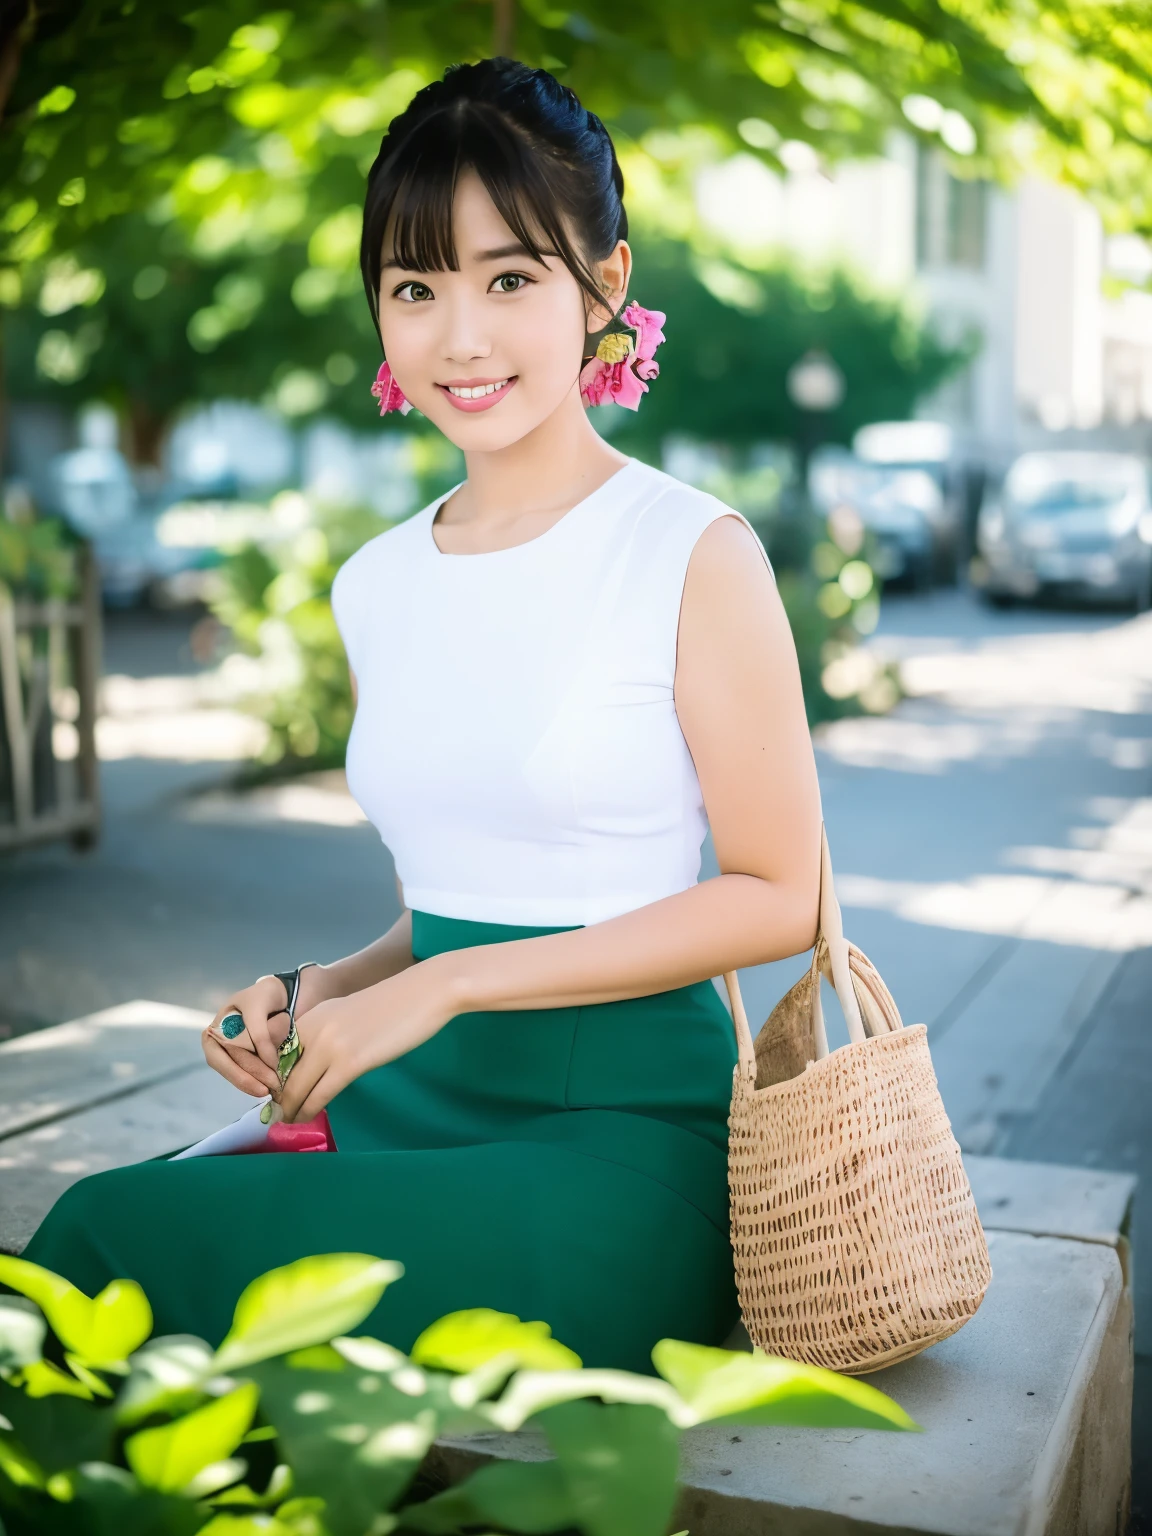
(477, 397)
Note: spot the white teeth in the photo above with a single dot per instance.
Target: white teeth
(463, 393)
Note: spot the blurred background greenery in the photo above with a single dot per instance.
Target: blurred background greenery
(180, 197)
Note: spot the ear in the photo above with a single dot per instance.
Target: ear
(612, 274)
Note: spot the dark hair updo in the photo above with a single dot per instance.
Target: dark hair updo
(547, 163)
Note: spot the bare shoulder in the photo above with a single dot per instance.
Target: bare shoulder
(729, 587)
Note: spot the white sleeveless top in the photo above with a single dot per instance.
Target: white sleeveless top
(516, 742)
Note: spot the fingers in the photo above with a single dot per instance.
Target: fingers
(255, 1020)
(248, 1062)
(221, 1060)
(265, 1030)
(320, 1098)
(242, 1050)
(302, 1086)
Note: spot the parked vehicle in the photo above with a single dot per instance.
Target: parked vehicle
(93, 490)
(898, 506)
(1072, 522)
(928, 450)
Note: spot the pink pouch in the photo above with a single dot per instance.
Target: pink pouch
(304, 1136)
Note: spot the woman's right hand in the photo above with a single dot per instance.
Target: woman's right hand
(249, 1060)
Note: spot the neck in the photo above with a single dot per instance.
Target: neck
(552, 468)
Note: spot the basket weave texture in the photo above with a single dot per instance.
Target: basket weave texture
(854, 1230)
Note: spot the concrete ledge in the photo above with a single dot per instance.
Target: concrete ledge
(37, 1166)
(116, 1087)
(55, 1072)
(1089, 1205)
(1026, 1415)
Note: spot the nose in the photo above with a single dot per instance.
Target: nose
(465, 338)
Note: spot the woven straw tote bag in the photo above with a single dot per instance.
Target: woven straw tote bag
(855, 1234)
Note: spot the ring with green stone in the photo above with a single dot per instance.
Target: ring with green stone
(231, 1025)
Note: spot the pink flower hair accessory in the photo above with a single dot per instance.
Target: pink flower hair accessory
(621, 369)
(389, 393)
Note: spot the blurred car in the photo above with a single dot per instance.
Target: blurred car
(1072, 522)
(929, 450)
(898, 508)
(93, 490)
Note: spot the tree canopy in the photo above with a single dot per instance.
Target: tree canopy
(190, 179)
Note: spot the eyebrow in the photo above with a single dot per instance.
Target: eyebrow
(498, 254)
(501, 251)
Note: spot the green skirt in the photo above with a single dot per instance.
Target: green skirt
(567, 1164)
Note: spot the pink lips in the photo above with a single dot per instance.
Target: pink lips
(482, 402)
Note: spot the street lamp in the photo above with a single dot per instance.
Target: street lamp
(815, 385)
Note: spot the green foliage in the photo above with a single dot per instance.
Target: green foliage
(343, 1424)
(276, 601)
(466, 1340)
(246, 109)
(302, 1304)
(39, 559)
(179, 201)
(734, 332)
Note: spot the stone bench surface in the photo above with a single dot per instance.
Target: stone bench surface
(116, 1087)
(1049, 1200)
(55, 1072)
(37, 1166)
(1025, 1414)
(1026, 1411)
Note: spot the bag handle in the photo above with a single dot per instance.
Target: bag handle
(830, 943)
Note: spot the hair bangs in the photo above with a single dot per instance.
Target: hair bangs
(409, 219)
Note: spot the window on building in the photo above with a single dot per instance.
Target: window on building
(951, 215)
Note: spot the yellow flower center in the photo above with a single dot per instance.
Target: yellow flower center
(614, 348)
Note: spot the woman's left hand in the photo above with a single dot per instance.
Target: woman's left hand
(344, 1037)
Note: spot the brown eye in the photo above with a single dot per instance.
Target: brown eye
(413, 293)
(510, 282)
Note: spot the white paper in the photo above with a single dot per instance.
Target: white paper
(241, 1136)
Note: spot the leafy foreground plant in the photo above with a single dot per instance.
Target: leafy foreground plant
(294, 1428)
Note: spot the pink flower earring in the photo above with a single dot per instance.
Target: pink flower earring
(389, 393)
(619, 373)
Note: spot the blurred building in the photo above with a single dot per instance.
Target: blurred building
(1065, 341)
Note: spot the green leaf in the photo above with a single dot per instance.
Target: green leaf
(22, 1330)
(242, 1496)
(170, 1456)
(107, 1501)
(120, 1321)
(308, 1302)
(95, 1384)
(619, 1465)
(614, 1475)
(103, 1330)
(58, 1431)
(43, 1379)
(215, 1476)
(352, 1437)
(462, 1341)
(17, 1466)
(168, 1375)
(530, 1392)
(519, 1495)
(244, 1525)
(721, 1384)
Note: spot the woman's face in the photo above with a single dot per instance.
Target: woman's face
(492, 350)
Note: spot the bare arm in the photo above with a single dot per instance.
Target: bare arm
(740, 707)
